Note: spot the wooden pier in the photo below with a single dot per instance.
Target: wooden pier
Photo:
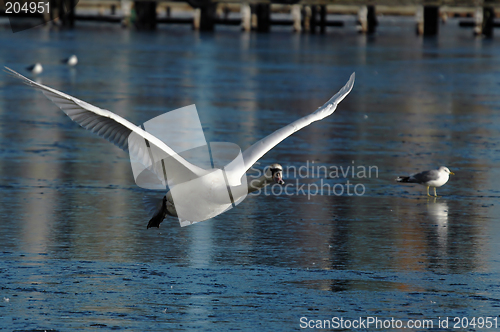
(306, 15)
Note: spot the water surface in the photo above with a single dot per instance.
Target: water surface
(74, 249)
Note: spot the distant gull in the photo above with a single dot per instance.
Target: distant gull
(117, 130)
(433, 178)
(71, 61)
(35, 69)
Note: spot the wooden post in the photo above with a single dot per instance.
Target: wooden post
(371, 18)
(297, 18)
(488, 21)
(66, 11)
(362, 24)
(207, 17)
(484, 21)
(145, 15)
(71, 13)
(307, 18)
(478, 21)
(419, 18)
(196, 18)
(314, 18)
(427, 20)
(60, 10)
(51, 13)
(322, 18)
(126, 7)
(263, 12)
(431, 20)
(246, 17)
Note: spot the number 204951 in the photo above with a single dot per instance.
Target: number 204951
(27, 7)
(475, 322)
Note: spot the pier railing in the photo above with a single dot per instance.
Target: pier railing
(306, 15)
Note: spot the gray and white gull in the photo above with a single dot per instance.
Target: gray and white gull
(35, 69)
(432, 178)
(70, 61)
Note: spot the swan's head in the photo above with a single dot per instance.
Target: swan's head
(277, 173)
(446, 170)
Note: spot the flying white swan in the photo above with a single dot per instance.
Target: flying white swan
(119, 131)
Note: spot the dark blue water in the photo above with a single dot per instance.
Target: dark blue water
(74, 249)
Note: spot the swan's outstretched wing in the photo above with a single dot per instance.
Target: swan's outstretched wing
(110, 126)
(259, 149)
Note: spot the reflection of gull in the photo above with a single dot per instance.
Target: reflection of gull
(439, 214)
(71, 61)
(35, 69)
(117, 130)
(433, 178)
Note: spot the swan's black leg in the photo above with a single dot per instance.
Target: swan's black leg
(158, 218)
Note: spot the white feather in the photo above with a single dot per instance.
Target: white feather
(259, 149)
(108, 125)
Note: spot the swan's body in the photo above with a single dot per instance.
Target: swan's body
(71, 61)
(211, 188)
(434, 178)
(273, 174)
(35, 69)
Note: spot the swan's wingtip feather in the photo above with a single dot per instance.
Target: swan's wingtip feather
(15, 74)
(10, 71)
(347, 88)
(350, 83)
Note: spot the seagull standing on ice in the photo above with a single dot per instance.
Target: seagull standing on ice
(71, 61)
(35, 69)
(433, 178)
(117, 130)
